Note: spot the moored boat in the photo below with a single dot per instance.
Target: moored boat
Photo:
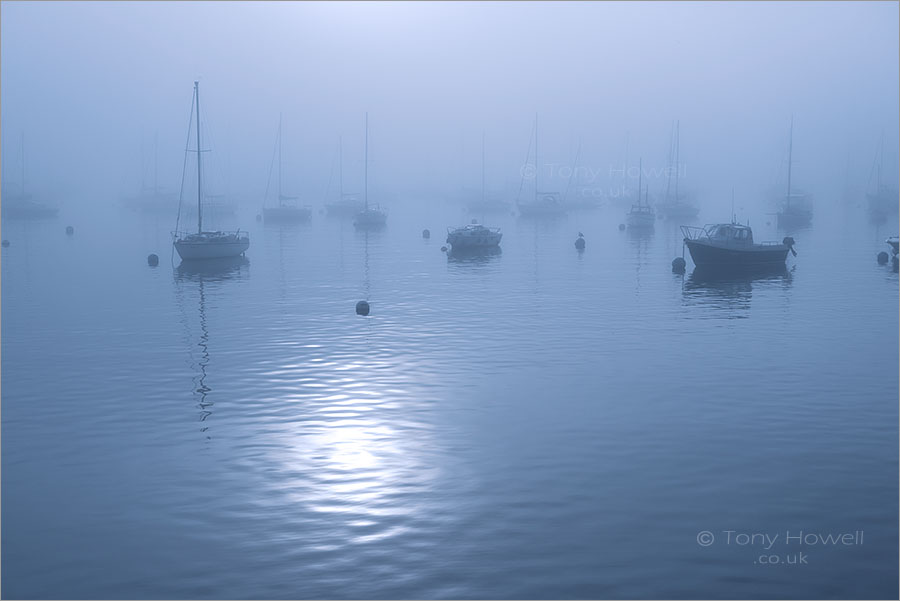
(207, 244)
(473, 236)
(731, 245)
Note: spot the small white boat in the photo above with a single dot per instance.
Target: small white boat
(210, 244)
(472, 236)
(372, 216)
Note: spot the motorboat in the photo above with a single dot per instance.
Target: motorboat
(731, 245)
(473, 235)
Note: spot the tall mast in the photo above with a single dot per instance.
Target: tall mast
(537, 165)
(199, 210)
(677, 147)
(143, 168)
(878, 176)
(482, 167)
(640, 178)
(280, 200)
(790, 154)
(341, 164)
(155, 162)
(23, 163)
(366, 190)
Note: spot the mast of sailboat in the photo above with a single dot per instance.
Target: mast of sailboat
(877, 176)
(22, 143)
(341, 165)
(366, 187)
(199, 210)
(280, 198)
(482, 168)
(155, 163)
(677, 147)
(790, 155)
(537, 165)
(640, 179)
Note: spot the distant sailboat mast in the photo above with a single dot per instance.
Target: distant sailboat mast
(199, 209)
(341, 165)
(790, 157)
(23, 163)
(280, 196)
(366, 177)
(537, 164)
(677, 148)
(482, 168)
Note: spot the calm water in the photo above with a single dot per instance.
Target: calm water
(536, 423)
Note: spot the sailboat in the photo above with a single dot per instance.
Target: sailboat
(795, 209)
(883, 199)
(16, 203)
(346, 203)
(475, 235)
(206, 244)
(674, 207)
(544, 204)
(372, 215)
(151, 199)
(641, 216)
(285, 210)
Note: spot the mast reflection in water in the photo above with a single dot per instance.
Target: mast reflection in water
(199, 275)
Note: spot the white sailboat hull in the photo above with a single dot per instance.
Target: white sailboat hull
(211, 245)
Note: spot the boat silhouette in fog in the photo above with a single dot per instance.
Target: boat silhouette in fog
(731, 246)
(210, 244)
(473, 236)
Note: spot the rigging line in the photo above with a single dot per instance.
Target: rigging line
(271, 165)
(330, 177)
(575, 170)
(525, 165)
(187, 144)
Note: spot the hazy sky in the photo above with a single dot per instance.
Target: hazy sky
(89, 83)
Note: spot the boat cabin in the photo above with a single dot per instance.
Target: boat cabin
(730, 233)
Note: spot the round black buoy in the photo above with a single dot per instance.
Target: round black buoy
(678, 265)
(5, 243)
(152, 260)
(579, 242)
(443, 249)
(882, 258)
(70, 230)
(426, 234)
(258, 217)
(621, 227)
(362, 308)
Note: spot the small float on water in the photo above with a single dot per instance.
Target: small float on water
(731, 246)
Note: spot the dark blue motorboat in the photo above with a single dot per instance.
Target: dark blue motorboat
(730, 245)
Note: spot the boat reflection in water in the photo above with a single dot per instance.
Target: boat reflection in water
(728, 289)
(204, 276)
(473, 256)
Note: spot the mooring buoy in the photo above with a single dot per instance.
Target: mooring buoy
(70, 230)
(443, 249)
(362, 308)
(678, 265)
(258, 217)
(882, 258)
(6, 243)
(152, 260)
(621, 227)
(579, 242)
(426, 234)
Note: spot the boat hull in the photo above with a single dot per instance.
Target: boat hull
(709, 255)
(198, 251)
(461, 242)
(29, 211)
(641, 220)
